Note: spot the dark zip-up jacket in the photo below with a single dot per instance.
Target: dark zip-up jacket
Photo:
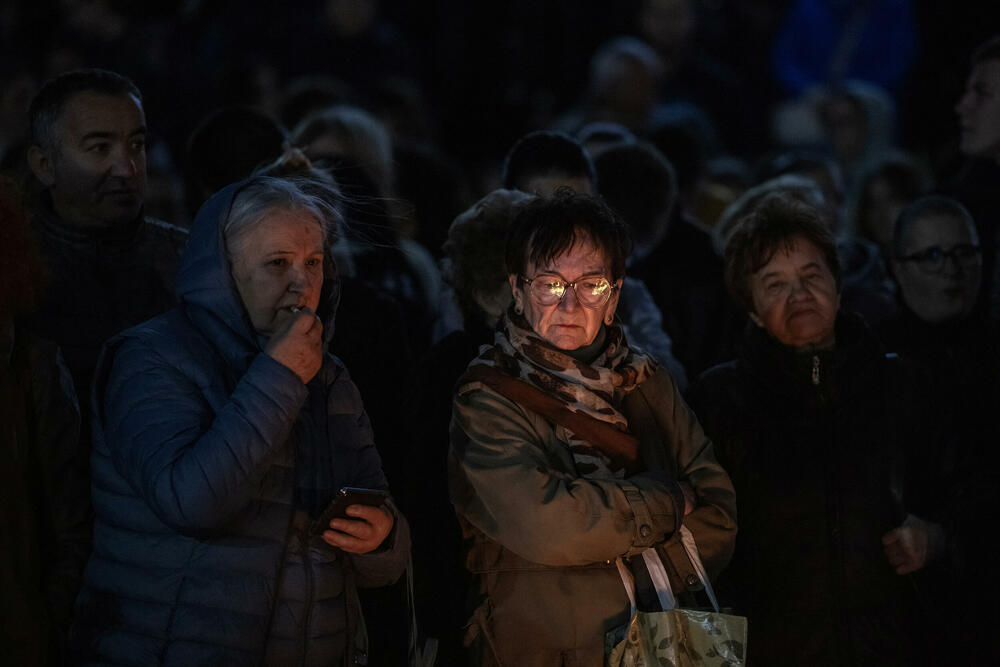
(817, 445)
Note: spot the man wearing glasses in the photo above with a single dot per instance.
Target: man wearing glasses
(937, 261)
(938, 265)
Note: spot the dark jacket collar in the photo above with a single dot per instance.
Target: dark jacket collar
(89, 240)
(791, 372)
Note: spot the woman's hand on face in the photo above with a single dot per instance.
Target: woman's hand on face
(361, 534)
(299, 344)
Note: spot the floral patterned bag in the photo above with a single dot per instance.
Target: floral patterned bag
(676, 637)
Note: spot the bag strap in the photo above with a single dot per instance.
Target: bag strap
(418, 656)
(691, 548)
(653, 559)
(620, 447)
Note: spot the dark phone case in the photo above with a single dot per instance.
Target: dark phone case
(348, 496)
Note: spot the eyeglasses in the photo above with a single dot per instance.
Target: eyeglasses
(931, 260)
(548, 290)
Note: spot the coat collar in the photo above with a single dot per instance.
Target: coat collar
(791, 372)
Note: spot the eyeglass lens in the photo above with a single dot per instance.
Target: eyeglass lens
(933, 258)
(591, 291)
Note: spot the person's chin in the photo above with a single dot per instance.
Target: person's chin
(808, 331)
(567, 338)
(807, 319)
(122, 209)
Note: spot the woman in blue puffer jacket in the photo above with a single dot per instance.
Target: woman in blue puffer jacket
(221, 430)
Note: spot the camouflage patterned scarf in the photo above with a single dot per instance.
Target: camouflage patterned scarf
(587, 388)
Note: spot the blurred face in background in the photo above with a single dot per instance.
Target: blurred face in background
(846, 126)
(979, 112)
(939, 268)
(880, 207)
(668, 25)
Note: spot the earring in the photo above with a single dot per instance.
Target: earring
(609, 320)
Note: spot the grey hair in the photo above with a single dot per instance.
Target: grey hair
(260, 195)
(362, 139)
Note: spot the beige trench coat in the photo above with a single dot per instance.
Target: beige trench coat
(542, 541)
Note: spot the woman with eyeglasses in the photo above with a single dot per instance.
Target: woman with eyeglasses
(825, 438)
(569, 449)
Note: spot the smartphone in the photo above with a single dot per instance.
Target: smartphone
(348, 495)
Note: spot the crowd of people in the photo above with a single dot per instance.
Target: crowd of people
(682, 306)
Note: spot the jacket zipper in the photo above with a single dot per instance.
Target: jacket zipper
(815, 372)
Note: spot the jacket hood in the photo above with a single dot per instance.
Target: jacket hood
(206, 290)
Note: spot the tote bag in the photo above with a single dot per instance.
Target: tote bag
(676, 637)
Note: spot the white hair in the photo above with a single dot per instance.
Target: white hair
(263, 194)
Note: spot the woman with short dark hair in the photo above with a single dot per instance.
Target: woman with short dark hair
(569, 449)
(777, 222)
(823, 436)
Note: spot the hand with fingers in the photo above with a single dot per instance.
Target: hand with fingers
(912, 545)
(299, 344)
(361, 534)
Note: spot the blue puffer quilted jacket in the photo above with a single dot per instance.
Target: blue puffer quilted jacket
(200, 557)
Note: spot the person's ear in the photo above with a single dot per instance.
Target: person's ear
(515, 292)
(41, 166)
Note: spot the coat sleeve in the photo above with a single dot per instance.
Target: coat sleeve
(384, 565)
(504, 483)
(687, 453)
(193, 466)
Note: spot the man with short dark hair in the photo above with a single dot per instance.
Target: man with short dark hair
(109, 267)
(937, 265)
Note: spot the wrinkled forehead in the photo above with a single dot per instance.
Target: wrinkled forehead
(788, 254)
(939, 230)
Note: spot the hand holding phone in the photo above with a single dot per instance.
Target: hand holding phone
(347, 496)
(359, 521)
(364, 529)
